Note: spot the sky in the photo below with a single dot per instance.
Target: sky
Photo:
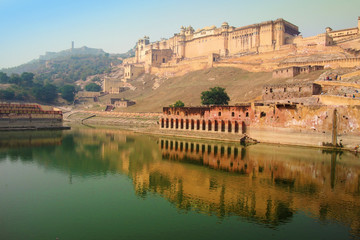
(29, 28)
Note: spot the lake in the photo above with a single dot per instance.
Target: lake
(112, 184)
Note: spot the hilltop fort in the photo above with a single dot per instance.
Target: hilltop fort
(211, 46)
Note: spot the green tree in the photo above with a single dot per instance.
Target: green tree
(215, 96)
(178, 103)
(7, 94)
(4, 78)
(27, 79)
(96, 79)
(92, 87)
(47, 93)
(68, 92)
(15, 79)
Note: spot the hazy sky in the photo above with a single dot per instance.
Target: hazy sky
(29, 28)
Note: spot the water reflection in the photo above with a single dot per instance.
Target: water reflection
(260, 183)
(270, 183)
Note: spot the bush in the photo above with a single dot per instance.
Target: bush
(92, 87)
(178, 103)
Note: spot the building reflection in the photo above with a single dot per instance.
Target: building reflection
(262, 183)
(265, 184)
(30, 138)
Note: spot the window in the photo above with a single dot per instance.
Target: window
(285, 89)
(247, 114)
(219, 114)
(271, 90)
(233, 114)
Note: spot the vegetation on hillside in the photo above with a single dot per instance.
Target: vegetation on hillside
(66, 69)
(74, 68)
(25, 87)
(93, 87)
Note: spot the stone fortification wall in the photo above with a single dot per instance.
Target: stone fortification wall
(86, 94)
(318, 40)
(336, 63)
(339, 101)
(257, 121)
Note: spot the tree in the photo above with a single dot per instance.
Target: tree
(15, 79)
(27, 78)
(68, 92)
(216, 96)
(96, 79)
(92, 87)
(178, 103)
(47, 93)
(7, 94)
(4, 78)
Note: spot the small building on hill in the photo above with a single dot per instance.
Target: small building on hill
(295, 70)
(290, 90)
(121, 102)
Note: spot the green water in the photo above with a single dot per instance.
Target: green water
(108, 184)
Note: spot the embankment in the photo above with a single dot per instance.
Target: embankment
(148, 123)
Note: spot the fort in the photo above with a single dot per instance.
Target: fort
(212, 44)
(271, 46)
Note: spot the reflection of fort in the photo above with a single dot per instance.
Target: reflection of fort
(216, 156)
(273, 183)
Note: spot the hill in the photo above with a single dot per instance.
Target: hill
(151, 93)
(67, 66)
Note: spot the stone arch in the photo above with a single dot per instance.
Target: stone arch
(171, 123)
(192, 124)
(177, 123)
(243, 128)
(203, 125)
(167, 123)
(182, 123)
(209, 125)
(198, 124)
(229, 127)
(222, 126)
(236, 127)
(216, 126)
(162, 123)
(187, 124)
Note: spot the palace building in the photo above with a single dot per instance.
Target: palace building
(225, 41)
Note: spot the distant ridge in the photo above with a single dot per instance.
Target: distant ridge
(72, 51)
(37, 65)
